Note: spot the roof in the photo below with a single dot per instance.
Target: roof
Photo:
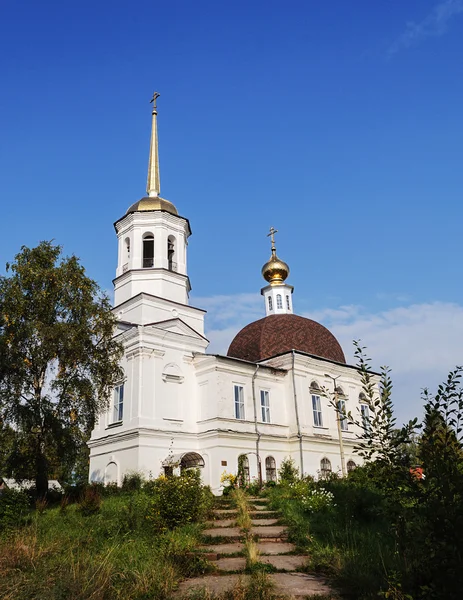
(278, 334)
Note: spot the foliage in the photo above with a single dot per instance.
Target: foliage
(90, 502)
(58, 360)
(318, 500)
(179, 500)
(69, 555)
(132, 481)
(380, 439)
(229, 482)
(14, 508)
(288, 472)
(390, 533)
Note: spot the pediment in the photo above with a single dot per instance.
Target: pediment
(176, 326)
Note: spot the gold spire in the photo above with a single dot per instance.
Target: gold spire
(275, 271)
(153, 186)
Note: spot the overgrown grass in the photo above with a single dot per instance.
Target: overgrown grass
(110, 554)
(356, 553)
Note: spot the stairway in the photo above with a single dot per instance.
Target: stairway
(225, 549)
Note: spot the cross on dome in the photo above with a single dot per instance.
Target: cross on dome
(275, 271)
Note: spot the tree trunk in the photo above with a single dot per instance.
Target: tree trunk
(41, 475)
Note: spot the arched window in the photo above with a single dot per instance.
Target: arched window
(325, 467)
(288, 303)
(270, 469)
(350, 466)
(127, 248)
(243, 465)
(270, 303)
(171, 253)
(314, 387)
(279, 301)
(148, 250)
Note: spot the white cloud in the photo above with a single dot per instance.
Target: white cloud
(420, 342)
(433, 25)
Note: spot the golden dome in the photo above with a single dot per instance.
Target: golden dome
(275, 271)
(152, 203)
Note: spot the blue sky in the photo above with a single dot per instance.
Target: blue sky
(339, 123)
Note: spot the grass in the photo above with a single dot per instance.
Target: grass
(355, 556)
(104, 556)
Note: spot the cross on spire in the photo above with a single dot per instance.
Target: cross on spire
(153, 100)
(271, 235)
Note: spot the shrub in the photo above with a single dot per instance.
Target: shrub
(14, 507)
(90, 502)
(180, 500)
(132, 481)
(318, 500)
(254, 488)
(288, 472)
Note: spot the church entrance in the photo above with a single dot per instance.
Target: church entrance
(176, 463)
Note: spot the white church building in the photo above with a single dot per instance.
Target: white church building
(178, 406)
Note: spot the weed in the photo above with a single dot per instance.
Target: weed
(90, 501)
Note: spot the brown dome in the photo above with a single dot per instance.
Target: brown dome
(277, 334)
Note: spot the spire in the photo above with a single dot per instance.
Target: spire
(153, 186)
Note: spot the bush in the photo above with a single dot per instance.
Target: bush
(318, 500)
(90, 502)
(132, 481)
(288, 472)
(14, 508)
(180, 500)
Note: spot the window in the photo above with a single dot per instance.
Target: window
(270, 303)
(243, 465)
(279, 301)
(365, 412)
(118, 407)
(239, 402)
(265, 406)
(270, 469)
(148, 251)
(317, 411)
(350, 466)
(341, 414)
(288, 303)
(172, 265)
(127, 248)
(325, 467)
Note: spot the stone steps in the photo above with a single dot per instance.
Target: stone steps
(226, 552)
(295, 585)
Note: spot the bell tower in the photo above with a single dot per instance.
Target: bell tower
(152, 240)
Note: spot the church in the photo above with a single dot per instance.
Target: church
(270, 398)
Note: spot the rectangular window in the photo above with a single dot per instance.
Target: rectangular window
(343, 419)
(239, 402)
(365, 411)
(265, 406)
(118, 408)
(317, 411)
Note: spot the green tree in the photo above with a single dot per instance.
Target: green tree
(58, 359)
(380, 439)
